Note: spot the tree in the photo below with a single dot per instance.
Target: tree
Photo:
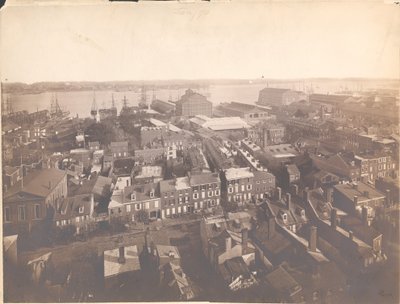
(102, 132)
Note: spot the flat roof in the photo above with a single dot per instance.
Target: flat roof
(236, 173)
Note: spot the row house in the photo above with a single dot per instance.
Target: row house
(77, 211)
(33, 199)
(132, 199)
(120, 149)
(190, 194)
(375, 166)
(263, 184)
(239, 185)
(353, 197)
(344, 246)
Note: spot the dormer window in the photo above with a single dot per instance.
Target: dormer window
(133, 196)
(81, 209)
(151, 193)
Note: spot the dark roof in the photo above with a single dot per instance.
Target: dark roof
(234, 268)
(360, 230)
(70, 207)
(142, 192)
(115, 144)
(282, 281)
(276, 244)
(102, 186)
(204, 178)
(349, 190)
(219, 241)
(39, 182)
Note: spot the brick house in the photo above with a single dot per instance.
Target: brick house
(119, 149)
(134, 198)
(239, 184)
(263, 184)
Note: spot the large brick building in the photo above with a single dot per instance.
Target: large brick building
(192, 104)
(190, 194)
(239, 184)
(33, 199)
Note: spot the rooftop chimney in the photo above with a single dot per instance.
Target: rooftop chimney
(288, 200)
(364, 214)
(355, 186)
(312, 242)
(333, 218)
(228, 244)
(278, 193)
(350, 235)
(245, 236)
(355, 200)
(295, 189)
(121, 257)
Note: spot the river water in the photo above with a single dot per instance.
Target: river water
(80, 102)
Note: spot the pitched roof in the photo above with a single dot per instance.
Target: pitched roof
(39, 182)
(292, 169)
(78, 205)
(282, 281)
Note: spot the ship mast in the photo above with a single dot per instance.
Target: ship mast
(93, 111)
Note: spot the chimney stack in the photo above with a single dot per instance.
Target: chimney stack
(295, 189)
(350, 235)
(333, 218)
(355, 186)
(279, 193)
(228, 244)
(364, 214)
(312, 242)
(288, 200)
(121, 257)
(245, 236)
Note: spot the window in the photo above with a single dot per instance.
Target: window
(37, 211)
(195, 195)
(151, 194)
(81, 209)
(210, 193)
(7, 215)
(77, 219)
(230, 189)
(137, 206)
(21, 213)
(248, 187)
(217, 192)
(128, 208)
(156, 204)
(147, 205)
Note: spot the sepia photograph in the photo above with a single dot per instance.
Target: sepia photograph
(200, 151)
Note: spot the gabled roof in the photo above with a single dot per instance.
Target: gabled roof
(234, 268)
(10, 170)
(292, 169)
(282, 281)
(38, 183)
(78, 205)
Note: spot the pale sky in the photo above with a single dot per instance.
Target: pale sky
(155, 40)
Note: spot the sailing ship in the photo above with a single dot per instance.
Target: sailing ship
(55, 110)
